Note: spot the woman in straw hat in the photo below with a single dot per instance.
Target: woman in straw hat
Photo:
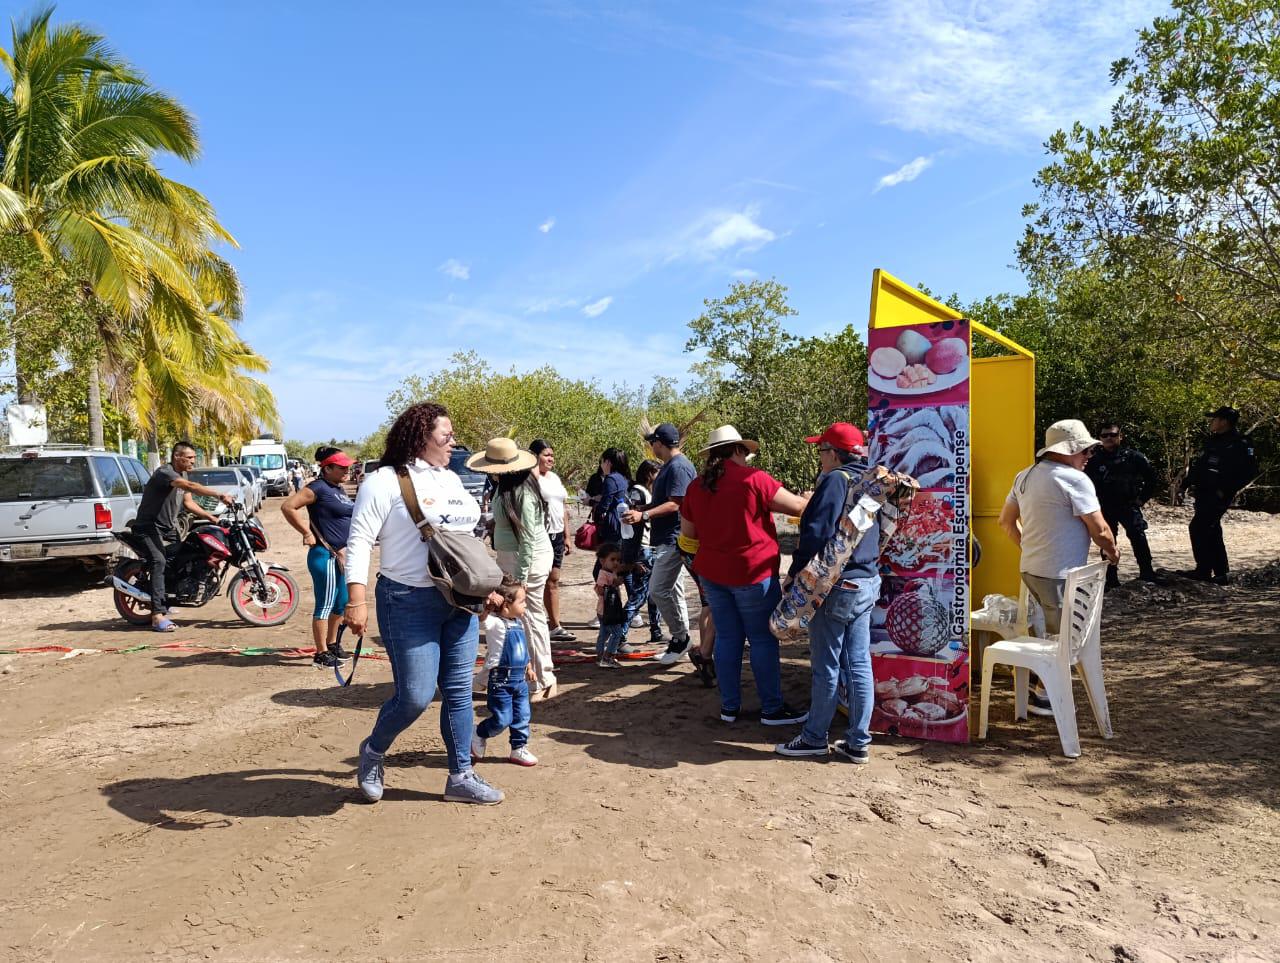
(729, 510)
(523, 545)
(429, 643)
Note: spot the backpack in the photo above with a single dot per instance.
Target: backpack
(586, 537)
(457, 563)
(877, 491)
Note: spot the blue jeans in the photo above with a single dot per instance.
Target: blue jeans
(840, 651)
(430, 644)
(638, 597)
(508, 703)
(741, 613)
(610, 637)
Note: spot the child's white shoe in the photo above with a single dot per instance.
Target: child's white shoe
(477, 747)
(523, 757)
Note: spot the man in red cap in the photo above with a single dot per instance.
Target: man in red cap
(840, 631)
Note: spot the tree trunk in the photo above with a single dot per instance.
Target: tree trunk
(153, 450)
(95, 406)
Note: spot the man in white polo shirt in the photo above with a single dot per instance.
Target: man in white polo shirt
(1052, 514)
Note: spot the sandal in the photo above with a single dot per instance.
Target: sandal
(706, 668)
(164, 625)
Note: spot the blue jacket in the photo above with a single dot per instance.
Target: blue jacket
(819, 521)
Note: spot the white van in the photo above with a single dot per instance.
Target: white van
(272, 458)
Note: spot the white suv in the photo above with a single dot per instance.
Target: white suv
(65, 501)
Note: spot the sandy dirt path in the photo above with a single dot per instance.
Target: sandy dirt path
(191, 804)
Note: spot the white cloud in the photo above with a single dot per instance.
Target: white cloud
(1005, 73)
(455, 269)
(545, 305)
(597, 308)
(546, 226)
(718, 233)
(743, 274)
(907, 172)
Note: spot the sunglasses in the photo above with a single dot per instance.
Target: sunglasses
(1109, 434)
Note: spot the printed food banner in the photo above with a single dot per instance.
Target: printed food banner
(919, 423)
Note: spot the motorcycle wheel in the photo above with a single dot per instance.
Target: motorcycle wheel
(273, 607)
(131, 610)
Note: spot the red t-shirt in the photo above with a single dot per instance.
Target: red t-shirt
(737, 541)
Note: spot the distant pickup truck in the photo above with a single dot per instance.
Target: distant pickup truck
(66, 502)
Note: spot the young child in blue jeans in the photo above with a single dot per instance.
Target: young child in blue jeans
(507, 660)
(609, 608)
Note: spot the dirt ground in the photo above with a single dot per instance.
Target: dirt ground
(191, 803)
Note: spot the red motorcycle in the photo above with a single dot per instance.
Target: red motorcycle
(198, 565)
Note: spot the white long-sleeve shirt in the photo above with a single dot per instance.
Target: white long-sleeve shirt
(380, 514)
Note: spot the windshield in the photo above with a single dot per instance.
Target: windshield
(30, 479)
(216, 477)
(263, 461)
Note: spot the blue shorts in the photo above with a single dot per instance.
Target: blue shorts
(328, 581)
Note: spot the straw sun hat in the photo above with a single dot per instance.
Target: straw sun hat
(727, 435)
(501, 456)
(1069, 437)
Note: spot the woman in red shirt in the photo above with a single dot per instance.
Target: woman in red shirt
(729, 510)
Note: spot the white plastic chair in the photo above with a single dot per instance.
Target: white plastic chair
(1051, 659)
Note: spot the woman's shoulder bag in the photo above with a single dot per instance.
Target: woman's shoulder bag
(457, 562)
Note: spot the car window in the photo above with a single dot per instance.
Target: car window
(110, 477)
(32, 479)
(137, 474)
(215, 477)
(264, 461)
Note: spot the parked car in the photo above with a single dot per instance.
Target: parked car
(474, 482)
(251, 488)
(226, 481)
(365, 468)
(66, 501)
(254, 472)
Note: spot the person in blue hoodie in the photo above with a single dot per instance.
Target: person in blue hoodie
(840, 631)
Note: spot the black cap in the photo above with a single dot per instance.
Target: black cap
(1230, 414)
(667, 433)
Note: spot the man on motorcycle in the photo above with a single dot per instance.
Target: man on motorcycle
(166, 493)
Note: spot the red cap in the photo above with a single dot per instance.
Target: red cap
(339, 458)
(840, 435)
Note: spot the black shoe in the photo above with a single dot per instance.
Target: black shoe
(341, 654)
(1195, 574)
(675, 650)
(1110, 585)
(859, 755)
(1224, 579)
(1151, 577)
(798, 747)
(1038, 705)
(728, 715)
(786, 716)
(325, 660)
(659, 639)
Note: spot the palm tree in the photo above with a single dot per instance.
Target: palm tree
(79, 133)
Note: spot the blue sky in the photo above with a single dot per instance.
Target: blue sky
(563, 183)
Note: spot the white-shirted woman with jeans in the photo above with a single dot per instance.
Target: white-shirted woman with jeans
(430, 643)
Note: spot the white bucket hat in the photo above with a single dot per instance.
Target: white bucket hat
(1069, 437)
(727, 434)
(500, 457)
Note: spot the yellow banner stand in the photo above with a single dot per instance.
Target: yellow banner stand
(1001, 429)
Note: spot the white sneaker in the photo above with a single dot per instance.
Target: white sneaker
(637, 622)
(523, 757)
(594, 623)
(676, 650)
(477, 747)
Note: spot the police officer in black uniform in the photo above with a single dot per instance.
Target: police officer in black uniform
(1124, 480)
(1225, 466)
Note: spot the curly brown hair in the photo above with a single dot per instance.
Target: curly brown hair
(408, 435)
